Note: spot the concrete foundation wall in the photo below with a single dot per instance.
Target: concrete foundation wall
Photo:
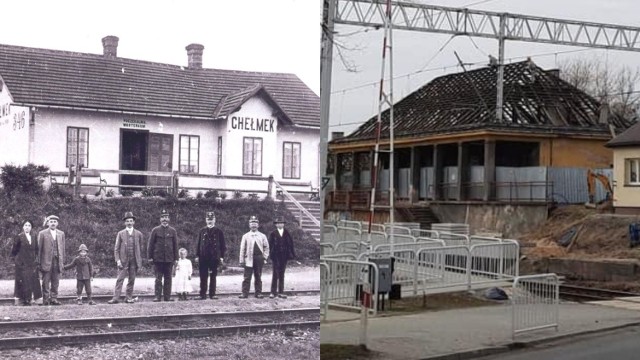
(510, 220)
(591, 270)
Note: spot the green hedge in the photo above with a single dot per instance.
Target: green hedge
(96, 222)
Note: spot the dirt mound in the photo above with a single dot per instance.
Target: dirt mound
(598, 236)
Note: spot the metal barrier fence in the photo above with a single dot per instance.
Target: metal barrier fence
(350, 224)
(326, 249)
(348, 234)
(494, 261)
(329, 234)
(535, 303)
(452, 239)
(343, 282)
(397, 230)
(324, 276)
(425, 233)
(442, 267)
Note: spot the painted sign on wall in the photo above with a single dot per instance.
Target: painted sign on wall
(134, 124)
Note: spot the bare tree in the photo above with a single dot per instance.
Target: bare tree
(615, 86)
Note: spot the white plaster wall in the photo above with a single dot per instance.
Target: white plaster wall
(255, 108)
(14, 130)
(309, 140)
(104, 137)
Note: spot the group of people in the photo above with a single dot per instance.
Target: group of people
(44, 258)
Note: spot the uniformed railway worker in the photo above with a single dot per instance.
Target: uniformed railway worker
(254, 251)
(162, 251)
(210, 251)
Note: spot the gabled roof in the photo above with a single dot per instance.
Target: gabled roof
(62, 78)
(534, 101)
(232, 102)
(631, 137)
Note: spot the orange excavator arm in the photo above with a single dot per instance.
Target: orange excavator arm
(591, 185)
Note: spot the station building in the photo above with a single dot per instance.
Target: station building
(141, 123)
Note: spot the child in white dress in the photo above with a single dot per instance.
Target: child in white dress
(182, 283)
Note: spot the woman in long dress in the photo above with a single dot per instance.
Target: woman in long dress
(24, 253)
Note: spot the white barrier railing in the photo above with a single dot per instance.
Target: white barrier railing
(350, 247)
(326, 249)
(397, 230)
(535, 303)
(348, 234)
(324, 276)
(344, 280)
(425, 233)
(494, 261)
(442, 267)
(414, 246)
(329, 234)
(350, 224)
(452, 239)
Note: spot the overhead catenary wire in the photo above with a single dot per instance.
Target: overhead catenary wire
(443, 68)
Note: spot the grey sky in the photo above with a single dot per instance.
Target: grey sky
(253, 35)
(413, 50)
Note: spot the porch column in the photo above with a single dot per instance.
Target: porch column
(463, 171)
(437, 172)
(489, 170)
(414, 188)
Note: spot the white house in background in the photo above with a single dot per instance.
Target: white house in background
(626, 171)
(116, 117)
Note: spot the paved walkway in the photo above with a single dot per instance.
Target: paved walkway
(298, 278)
(468, 333)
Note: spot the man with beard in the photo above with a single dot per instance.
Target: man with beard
(50, 259)
(162, 251)
(209, 255)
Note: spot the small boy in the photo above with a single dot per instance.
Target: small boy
(84, 273)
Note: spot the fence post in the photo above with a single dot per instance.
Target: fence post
(270, 186)
(174, 184)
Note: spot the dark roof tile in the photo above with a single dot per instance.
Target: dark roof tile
(63, 78)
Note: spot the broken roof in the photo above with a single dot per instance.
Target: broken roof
(62, 78)
(535, 101)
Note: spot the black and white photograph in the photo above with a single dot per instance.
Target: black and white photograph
(480, 175)
(160, 179)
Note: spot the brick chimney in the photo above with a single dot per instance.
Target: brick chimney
(110, 46)
(194, 52)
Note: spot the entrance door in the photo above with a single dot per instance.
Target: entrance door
(133, 156)
(160, 158)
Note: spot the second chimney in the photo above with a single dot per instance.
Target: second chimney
(110, 46)
(194, 52)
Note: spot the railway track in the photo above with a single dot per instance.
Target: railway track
(141, 328)
(583, 293)
(150, 297)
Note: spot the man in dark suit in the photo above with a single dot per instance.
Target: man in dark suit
(281, 250)
(50, 259)
(209, 255)
(162, 251)
(128, 257)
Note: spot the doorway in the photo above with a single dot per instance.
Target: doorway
(133, 156)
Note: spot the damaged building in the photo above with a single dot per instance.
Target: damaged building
(454, 160)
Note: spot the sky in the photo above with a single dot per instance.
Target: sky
(252, 35)
(420, 57)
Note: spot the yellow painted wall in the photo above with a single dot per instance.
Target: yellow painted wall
(575, 153)
(624, 196)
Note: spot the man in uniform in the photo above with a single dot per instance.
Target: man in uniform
(281, 247)
(254, 251)
(209, 255)
(50, 260)
(162, 251)
(128, 257)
